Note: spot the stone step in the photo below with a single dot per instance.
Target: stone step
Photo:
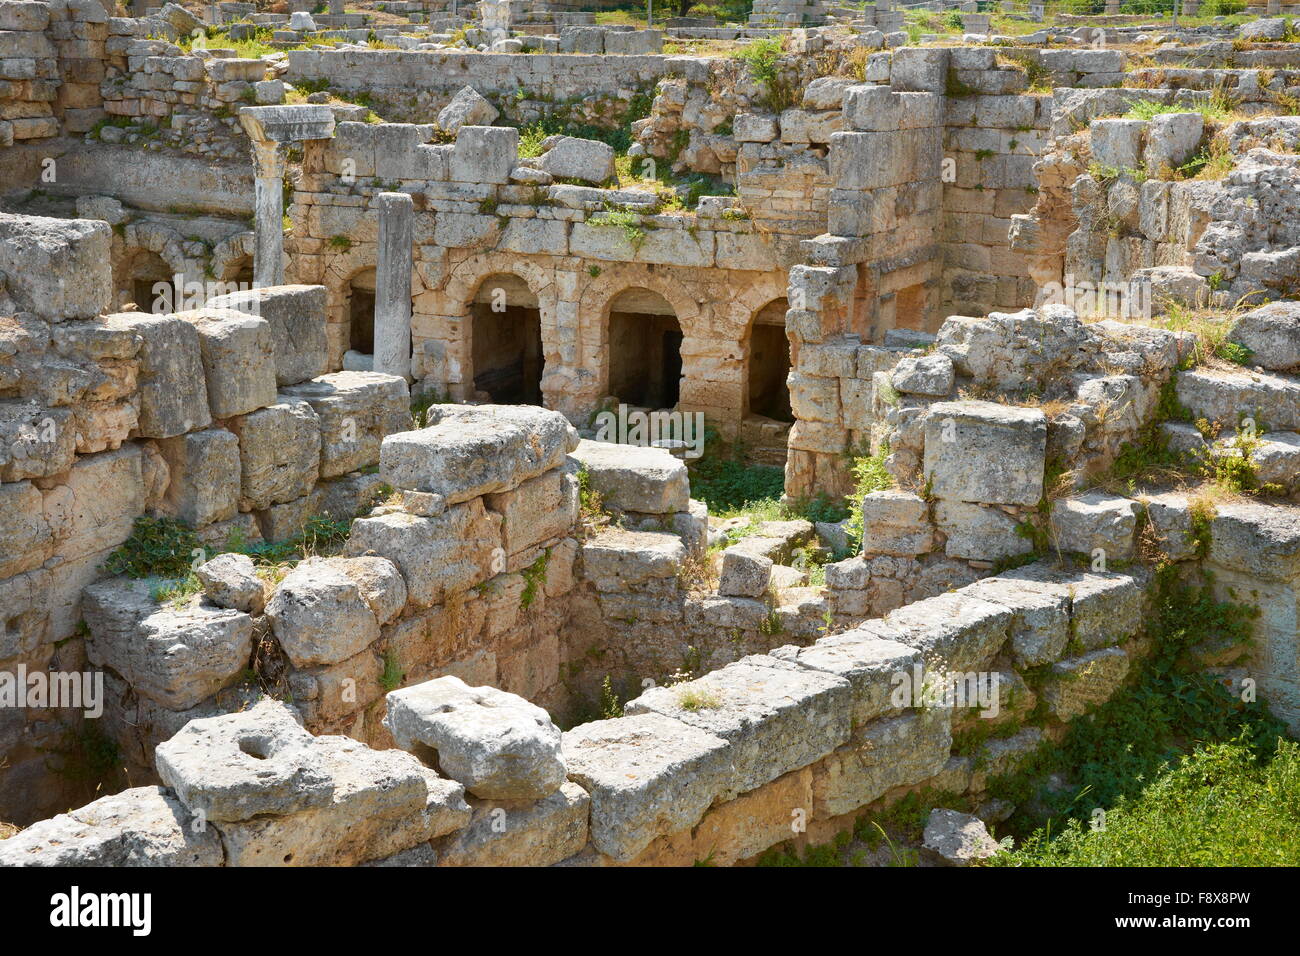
(1271, 400)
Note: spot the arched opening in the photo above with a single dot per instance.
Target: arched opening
(139, 280)
(361, 313)
(241, 272)
(769, 364)
(506, 341)
(645, 350)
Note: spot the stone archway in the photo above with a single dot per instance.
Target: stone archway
(505, 342)
(644, 350)
(767, 391)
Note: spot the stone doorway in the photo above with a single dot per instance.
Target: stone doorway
(506, 342)
(645, 350)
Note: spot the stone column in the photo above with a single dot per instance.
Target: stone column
(393, 284)
(1112, 7)
(268, 215)
(1274, 8)
(336, 8)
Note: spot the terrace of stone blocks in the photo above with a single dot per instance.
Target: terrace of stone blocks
(349, 481)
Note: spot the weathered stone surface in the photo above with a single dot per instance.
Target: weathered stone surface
(985, 452)
(230, 581)
(144, 826)
(319, 615)
(238, 360)
(1040, 626)
(958, 839)
(176, 656)
(888, 753)
(927, 375)
(173, 393)
(1080, 683)
(775, 715)
(869, 660)
(1095, 521)
(356, 410)
(540, 509)
(1272, 333)
(57, 268)
(955, 632)
(616, 560)
(474, 450)
(467, 108)
(896, 523)
(979, 533)
(296, 314)
(536, 833)
(381, 802)
(744, 574)
(437, 556)
(279, 454)
(238, 766)
(635, 478)
(205, 476)
(647, 774)
(567, 157)
(498, 745)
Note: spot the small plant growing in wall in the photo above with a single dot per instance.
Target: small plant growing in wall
(534, 578)
(340, 243)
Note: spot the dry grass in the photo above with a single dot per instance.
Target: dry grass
(7, 830)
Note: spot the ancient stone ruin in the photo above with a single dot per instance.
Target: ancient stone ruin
(366, 379)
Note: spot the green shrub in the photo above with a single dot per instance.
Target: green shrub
(156, 547)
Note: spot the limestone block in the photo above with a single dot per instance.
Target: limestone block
(474, 450)
(173, 393)
(539, 510)
(635, 478)
(279, 454)
(356, 410)
(297, 317)
(205, 476)
(979, 533)
(1116, 142)
(1095, 521)
(143, 826)
(958, 839)
(382, 802)
(615, 560)
(1272, 333)
(919, 70)
(319, 615)
(35, 441)
(928, 375)
(897, 523)
(238, 360)
(868, 659)
(985, 452)
(57, 268)
(956, 633)
(379, 582)
(1172, 139)
(176, 656)
(498, 745)
(230, 581)
(648, 775)
(437, 556)
(568, 157)
(887, 753)
(1080, 683)
(744, 574)
(467, 108)
(754, 128)
(484, 154)
(519, 833)
(776, 716)
(1040, 626)
(238, 766)
(826, 92)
